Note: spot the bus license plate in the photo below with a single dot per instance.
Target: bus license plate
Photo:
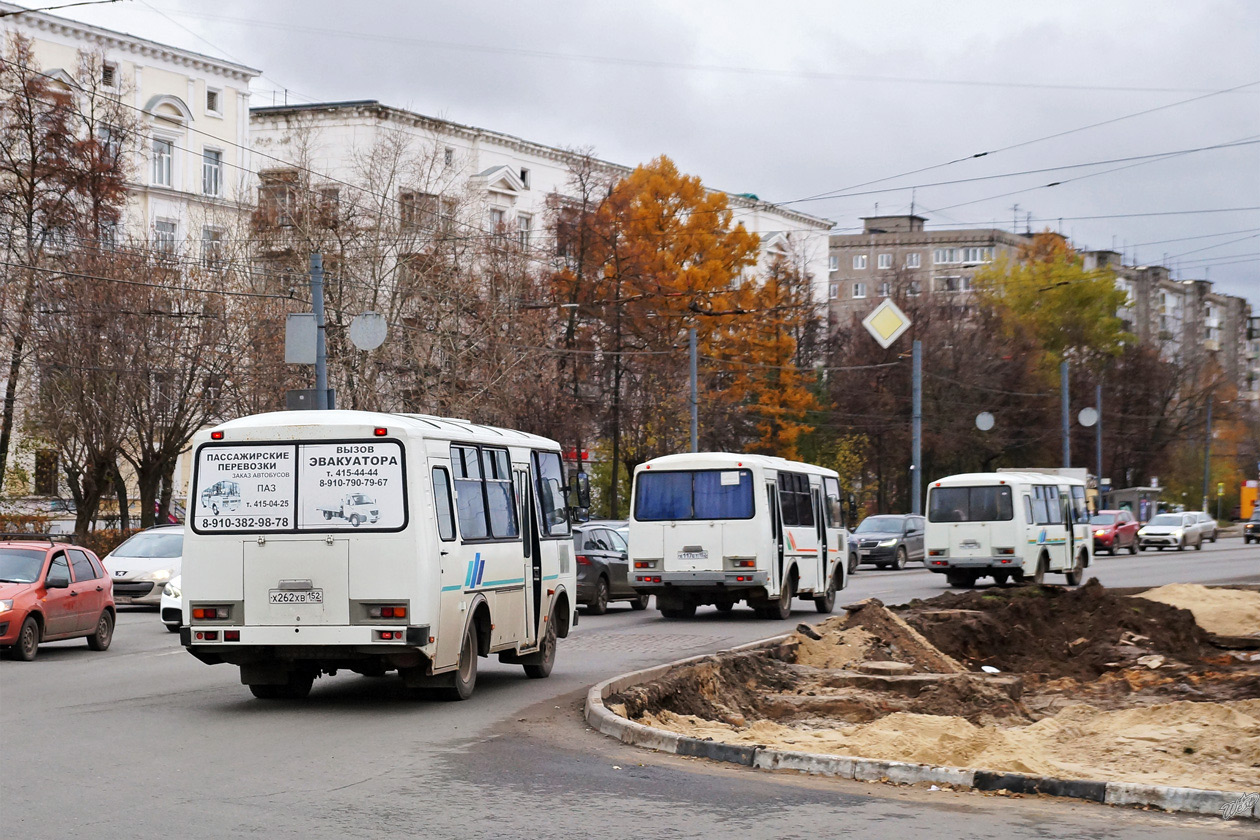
(297, 596)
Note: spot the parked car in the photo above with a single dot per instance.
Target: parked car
(1170, 530)
(1206, 525)
(142, 565)
(603, 567)
(171, 611)
(51, 591)
(1251, 530)
(1114, 530)
(889, 540)
(854, 558)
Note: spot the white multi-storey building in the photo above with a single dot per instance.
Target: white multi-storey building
(193, 170)
(511, 178)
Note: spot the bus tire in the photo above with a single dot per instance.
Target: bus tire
(686, 609)
(1001, 578)
(538, 665)
(464, 679)
(961, 580)
(1074, 574)
(854, 562)
(781, 607)
(826, 602)
(297, 687)
(1039, 576)
(725, 606)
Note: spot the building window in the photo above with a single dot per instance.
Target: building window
(885, 260)
(109, 74)
(164, 237)
(525, 177)
(945, 256)
(835, 289)
(835, 263)
(913, 260)
(497, 217)
(885, 289)
(212, 172)
(163, 151)
(448, 156)
(953, 284)
(859, 261)
(213, 99)
(524, 224)
(212, 248)
(912, 289)
(46, 472)
(859, 290)
(277, 197)
(977, 255)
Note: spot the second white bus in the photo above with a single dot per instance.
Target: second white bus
(722, 528)
(1008, 526)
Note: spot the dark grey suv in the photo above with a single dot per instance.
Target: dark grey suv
(889, 540)
(603, 568)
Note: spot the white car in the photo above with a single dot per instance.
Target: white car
(1171, 530)
(171, 611)
(142, 565)
(1206, 525)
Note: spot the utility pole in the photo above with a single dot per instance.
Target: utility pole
(1098, 441)
(916, 428)
(1067, 422)
(1207, 454)
(695, 396)
(321, 357)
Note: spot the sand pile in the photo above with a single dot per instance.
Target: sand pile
(1225, 612)
(1201, 745)
(870, 631)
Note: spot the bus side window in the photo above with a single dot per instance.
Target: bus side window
(470, 501)
(1028, 508)
(835, 513)
(443, 503)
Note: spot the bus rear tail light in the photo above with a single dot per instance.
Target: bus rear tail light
(207, 635)
(391, 611)
(645, 564)
(389, 635)
(1006, 551)
(231, 635)
(210, 613)
(745, 564)
(648, 578)
(937, 552)
(582, 560)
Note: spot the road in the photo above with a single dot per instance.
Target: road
(144, 741)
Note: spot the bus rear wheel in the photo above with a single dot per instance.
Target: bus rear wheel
(297, 687)
(826, 602)
(464, 680)
(683, 610)
(540, 664)
(781, 607)
(961, 580)
(1074, 574)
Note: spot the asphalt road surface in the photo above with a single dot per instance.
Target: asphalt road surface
(144, 741)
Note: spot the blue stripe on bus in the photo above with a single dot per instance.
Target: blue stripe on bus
(550, 577)
(451, 588)
(503, 582)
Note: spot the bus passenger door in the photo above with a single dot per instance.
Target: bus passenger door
(533, 557)
(776, 534)
(820, 526)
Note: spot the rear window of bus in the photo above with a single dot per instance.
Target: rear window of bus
(970, 504)
(693, 494)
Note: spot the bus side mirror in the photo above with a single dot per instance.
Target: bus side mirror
(852, 508)
(580, 489)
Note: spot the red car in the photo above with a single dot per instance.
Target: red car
(1114, 530)
(51, 591)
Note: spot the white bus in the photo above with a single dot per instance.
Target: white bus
(1008, 526)
(470, 553)
(719, 528)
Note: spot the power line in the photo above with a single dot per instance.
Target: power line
(53, 8)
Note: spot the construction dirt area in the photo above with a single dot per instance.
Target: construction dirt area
(1084, 683)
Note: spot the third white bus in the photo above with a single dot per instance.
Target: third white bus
(720, 528)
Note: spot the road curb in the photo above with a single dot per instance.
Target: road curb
(1172, 799)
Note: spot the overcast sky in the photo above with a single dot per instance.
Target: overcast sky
(793, 99)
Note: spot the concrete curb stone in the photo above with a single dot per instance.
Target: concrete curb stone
(601, 718)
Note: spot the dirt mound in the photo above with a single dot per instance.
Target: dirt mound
(869, 631)
(1202, 745)
(1225, 612)
(727, 687)
(1058, 632)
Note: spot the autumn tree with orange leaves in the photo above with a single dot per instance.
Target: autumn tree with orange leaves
(656, 256)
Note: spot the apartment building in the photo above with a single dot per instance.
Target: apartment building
(193, 172)
(501, 184)
(896, 256)
(1188, 320)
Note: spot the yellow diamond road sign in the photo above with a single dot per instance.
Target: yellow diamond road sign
(886, 323)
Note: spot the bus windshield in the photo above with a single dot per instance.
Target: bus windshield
(693, 494)
(970, 504)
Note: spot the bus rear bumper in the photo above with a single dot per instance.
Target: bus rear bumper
(653, 582)
(994, 564)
